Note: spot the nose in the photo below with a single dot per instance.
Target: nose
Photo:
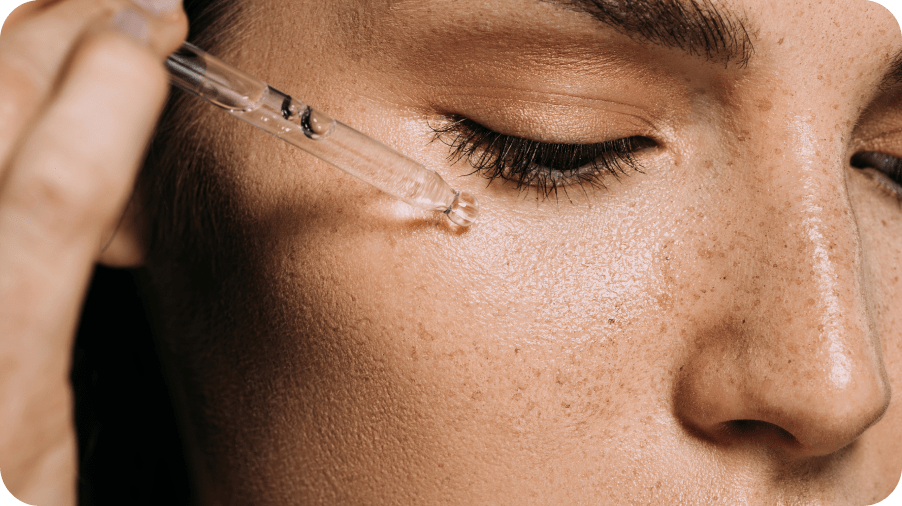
(786, 355)
(805, 392)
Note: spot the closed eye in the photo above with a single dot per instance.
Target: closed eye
(533, 165)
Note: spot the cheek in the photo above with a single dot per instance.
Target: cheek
(537, 288)
(880, 224)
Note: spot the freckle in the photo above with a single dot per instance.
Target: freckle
(765, 105)
(778, 151)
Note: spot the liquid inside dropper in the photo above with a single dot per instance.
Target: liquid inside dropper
(319, 134)
(464, 211)
(359, 155)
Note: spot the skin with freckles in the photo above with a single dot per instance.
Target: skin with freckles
(720, 328)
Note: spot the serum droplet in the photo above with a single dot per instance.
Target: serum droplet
(464, 211)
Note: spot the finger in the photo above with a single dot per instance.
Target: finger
(70, 179)
(52, 27)
(76, 165)
(35, 50)
(24, 11)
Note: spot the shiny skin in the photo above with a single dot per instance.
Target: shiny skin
(720, 329)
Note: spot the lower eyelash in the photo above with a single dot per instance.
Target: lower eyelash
(543, 166)
(884, 170)
(881, 181)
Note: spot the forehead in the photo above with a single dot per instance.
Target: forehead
(422, 54)
(798, 28)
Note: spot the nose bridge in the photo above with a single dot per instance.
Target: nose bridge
(806, 358)
(821, 264)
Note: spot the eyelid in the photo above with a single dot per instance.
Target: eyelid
(530, 164)
(551, 115)
(884, 170)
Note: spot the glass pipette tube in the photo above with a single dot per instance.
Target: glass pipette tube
(296, 123)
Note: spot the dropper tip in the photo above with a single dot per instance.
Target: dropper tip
(464, 211)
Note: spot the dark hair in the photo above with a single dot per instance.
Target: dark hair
(171, 190)
(129, 445)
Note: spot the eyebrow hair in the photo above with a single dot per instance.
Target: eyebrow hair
(893, 76)
(697, 27)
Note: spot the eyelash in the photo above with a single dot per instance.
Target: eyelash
(889, 167)
(541, 166)
(547, 167)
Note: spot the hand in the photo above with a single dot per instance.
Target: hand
(81, 86)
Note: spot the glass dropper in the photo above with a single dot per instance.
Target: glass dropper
(296, 123)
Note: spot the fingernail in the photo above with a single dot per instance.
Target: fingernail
(159, 7)
(132, 23)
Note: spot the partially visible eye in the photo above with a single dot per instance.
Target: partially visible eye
(885, 170)
(545, 167)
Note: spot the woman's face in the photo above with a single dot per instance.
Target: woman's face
(719, 327)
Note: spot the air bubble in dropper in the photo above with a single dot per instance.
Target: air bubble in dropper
(319, 134)
(317, 124)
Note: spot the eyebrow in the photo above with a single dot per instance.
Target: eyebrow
(893, 76)
(697, 27)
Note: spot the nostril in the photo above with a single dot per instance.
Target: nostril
(748, 432)
(757, 428)
(725, 396)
